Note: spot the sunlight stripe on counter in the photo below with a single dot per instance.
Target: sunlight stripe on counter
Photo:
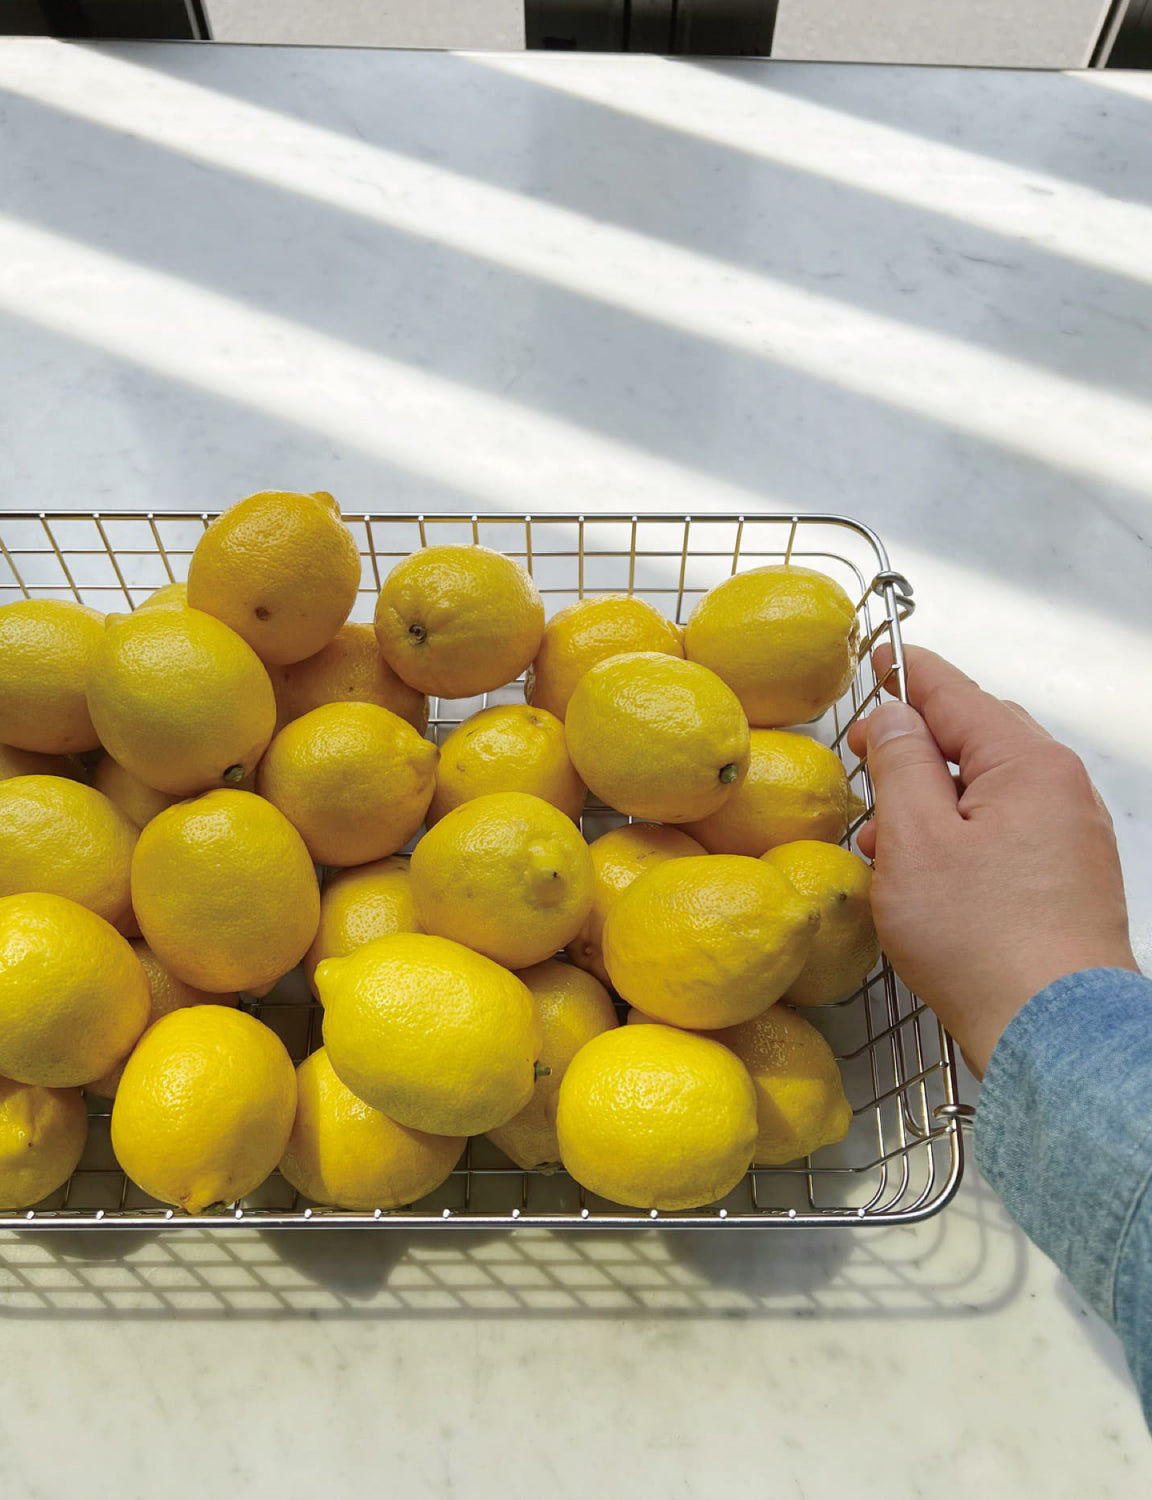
(964, 386)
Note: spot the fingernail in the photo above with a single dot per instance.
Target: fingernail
(890, 721)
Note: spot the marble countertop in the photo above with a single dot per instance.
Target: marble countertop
(460, 283)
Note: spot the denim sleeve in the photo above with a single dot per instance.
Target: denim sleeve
(1064, 1135)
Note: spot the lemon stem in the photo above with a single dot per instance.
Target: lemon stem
(235, 774)
(417, 632)
(729, 773)
(541, 1071)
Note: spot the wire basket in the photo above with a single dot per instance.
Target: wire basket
(903, 1157)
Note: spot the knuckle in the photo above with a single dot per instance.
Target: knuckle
(1066, 767)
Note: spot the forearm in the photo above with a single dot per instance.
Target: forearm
(1064, 1135)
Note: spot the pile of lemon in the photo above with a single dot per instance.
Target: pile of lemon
(200, 795)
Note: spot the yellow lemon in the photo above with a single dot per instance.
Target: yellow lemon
(67, 839)
(15, 762)
(281, 569)
(438, 1037)
(73, 995)
(573, 1009)
(180, 700)
(652, 1117)
(578, 637)
(784, 638)
(138, 802)
(656, 737)
(845, 950)
(800, 1101)
(46, 648)
(510, 748)
(349, 669)
(795, 789)
(370, 901)
(346, 1154)
(458, 621)
(225, 892)
(618, 857)
(507, 874)
(355, 780)
(707, 941)
(166, 994)
(43, 1133)
(205, 1107)
(171, 596)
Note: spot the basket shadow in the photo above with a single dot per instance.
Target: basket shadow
(966, 1261)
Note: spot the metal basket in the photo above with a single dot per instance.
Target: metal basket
(903, 1157)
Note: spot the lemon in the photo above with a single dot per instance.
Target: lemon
(67, 839)
(166, 994)
(281, 569)
(588, 632)
(438, 1037)
(225, 892)
(43, 1133)
(346, 1154)
(800, 1101)
(796, 788)
(355, 780)
(139, 803)
(652, 1117)
(458, 621)
(15, 762)
(179, 700)
(370, 901)
(46, 648)
(205, 1107)
(507, 874)
(510, 748)
(707, 941)
(618, 857)
(784, 638)
(845, 950)
(171, 596)
(73, 995)
(349, 669)
(657, 737)
(574, 1007)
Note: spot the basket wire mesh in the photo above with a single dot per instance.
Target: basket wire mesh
(903, 1156)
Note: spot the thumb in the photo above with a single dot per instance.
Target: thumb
(913, 785)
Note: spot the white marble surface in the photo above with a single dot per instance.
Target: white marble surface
(556, 283)
(496, 24)
(959, 33)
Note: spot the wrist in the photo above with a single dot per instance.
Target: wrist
(982, 1031)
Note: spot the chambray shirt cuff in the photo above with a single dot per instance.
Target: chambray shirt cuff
(1064, 1131)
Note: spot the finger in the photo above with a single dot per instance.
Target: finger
(866, 839)
(913, 786)
(883, 660)
(1021, 712)
(972, 728)
(887, 678)
(858, 744)
(924, 671)
(927, 672)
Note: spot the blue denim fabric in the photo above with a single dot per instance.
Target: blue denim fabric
(1064, 1135)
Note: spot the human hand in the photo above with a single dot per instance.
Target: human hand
(990, 885)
